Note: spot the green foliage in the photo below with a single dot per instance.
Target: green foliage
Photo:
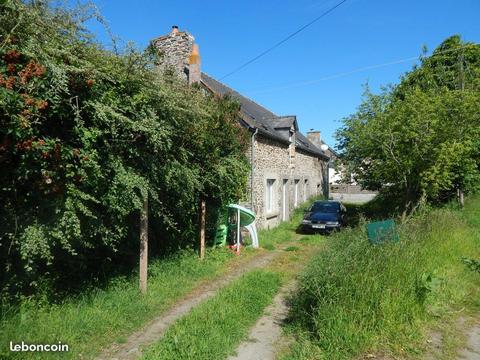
(356, 298)
(214, 328)
(85, 135)
(421, 138)
(472, 264)
(99, 317)
(424, 285)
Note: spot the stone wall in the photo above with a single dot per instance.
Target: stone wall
(272, 161)
(174, 50)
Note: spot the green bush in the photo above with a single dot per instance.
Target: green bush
(85, 135)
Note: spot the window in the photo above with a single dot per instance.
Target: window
(270, 195)
(305, 190)
(325, 207)
(295, 193)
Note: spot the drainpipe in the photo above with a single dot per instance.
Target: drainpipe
(327, 185)
(252, 160)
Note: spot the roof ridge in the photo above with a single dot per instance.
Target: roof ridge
(245, 97)
(264, 118)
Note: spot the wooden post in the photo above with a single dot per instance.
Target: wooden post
(202, 227)
(238, 231)
(144, 246)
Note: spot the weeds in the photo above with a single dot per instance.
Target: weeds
(96, 319)
(354, 297)
(214, 328)
(472, 264)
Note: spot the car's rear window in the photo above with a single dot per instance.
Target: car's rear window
(325, 207)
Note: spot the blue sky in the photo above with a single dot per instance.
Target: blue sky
(358, 34)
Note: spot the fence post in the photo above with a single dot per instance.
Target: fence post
(202, 226)
(144, 246)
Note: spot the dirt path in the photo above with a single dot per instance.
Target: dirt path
(472, 349)
(151, 333)
(266, 333)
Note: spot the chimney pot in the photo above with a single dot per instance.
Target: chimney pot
(174, 29)
(194, 74)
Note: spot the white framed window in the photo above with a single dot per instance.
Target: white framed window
(295, 193)
(270, 200)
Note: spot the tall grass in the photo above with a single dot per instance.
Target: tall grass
(99, 317)
(214, 328)
(355, 297)
(103, 316)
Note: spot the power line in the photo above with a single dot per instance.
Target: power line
(354, 71)
(338, 75)
(283, 41)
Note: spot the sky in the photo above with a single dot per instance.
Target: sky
(318, 75)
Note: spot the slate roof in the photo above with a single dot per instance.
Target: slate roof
(258, 117)
(286, 122)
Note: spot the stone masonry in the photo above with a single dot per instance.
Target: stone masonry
(272, 161)
(174, 50)
(287, 168)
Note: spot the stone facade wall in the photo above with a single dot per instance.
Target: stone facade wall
(174, 50)
(272, 161)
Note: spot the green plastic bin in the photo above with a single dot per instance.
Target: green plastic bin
(221, 235)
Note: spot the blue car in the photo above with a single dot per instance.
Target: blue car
(324, 216)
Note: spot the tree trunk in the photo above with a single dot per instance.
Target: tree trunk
(461, 198)
(202, 226)
(144, 246)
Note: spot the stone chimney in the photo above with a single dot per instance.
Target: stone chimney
(175, 49)
(194, 73)
(315, 138)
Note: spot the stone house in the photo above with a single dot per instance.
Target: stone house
(286, 166)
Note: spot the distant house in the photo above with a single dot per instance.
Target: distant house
(286, 167)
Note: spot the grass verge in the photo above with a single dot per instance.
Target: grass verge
(100, 317)
(103, 316)
(214, 328)
(355, 298)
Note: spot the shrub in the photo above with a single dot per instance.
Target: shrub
(85, 135)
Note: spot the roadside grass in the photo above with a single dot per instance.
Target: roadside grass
(355, 298)
(96, 319)
(102, 316)
(214, 328)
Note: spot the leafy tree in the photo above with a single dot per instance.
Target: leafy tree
(420, 138)
(85, 135)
